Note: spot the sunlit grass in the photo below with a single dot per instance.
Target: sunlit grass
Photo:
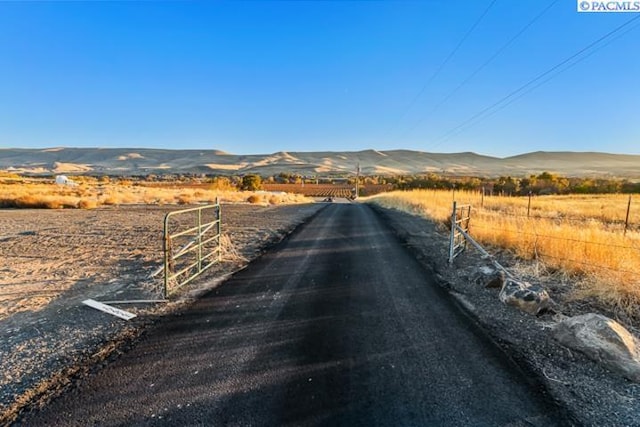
(581, 236)
(92, 195)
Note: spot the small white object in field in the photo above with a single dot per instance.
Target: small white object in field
(63, 180)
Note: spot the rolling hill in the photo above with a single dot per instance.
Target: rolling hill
(130, 161)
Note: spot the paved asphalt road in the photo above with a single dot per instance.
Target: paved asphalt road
(338, 325)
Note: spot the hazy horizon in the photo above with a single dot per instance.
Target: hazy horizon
(137, 161)
(133, 148)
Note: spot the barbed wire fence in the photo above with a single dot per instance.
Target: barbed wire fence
(541, 254)
(625, 253)
(627, 215)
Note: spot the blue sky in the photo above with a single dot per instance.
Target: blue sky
(261, 77)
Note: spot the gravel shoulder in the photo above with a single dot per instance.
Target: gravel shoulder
(594, 395)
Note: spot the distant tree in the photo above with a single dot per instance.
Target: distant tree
(546, 176)
(251, 183)
(630, 187)
(608, 186)
(506, 185)
(221, 183)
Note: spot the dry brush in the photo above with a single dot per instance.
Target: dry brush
(581, 237)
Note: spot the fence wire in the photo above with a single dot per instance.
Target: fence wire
(586, 242)
(558, 238)
(588, 264)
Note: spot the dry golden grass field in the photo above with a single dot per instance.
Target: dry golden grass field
(582, 237)
(91, 194)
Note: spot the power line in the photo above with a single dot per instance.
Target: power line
(531, 89)
(483, 65)
(538, 78)
(443, 64)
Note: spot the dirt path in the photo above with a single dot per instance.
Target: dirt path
(339, 325)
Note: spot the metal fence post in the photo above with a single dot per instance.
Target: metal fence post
(467, 216)
(166, 244)
(453, 232)
(199, 241)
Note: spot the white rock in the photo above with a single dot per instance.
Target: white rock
(486, 270)
(603, 340)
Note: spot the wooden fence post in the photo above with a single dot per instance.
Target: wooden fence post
(626, 221)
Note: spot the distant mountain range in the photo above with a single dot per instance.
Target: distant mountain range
(129, 161)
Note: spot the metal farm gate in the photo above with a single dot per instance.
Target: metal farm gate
(460, 218)
(192, 244)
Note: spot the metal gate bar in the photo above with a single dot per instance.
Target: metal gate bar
(460, 218)
(196, 255)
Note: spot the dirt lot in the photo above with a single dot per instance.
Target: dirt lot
(52, 260)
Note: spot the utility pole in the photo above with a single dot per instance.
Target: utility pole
(358, 181)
